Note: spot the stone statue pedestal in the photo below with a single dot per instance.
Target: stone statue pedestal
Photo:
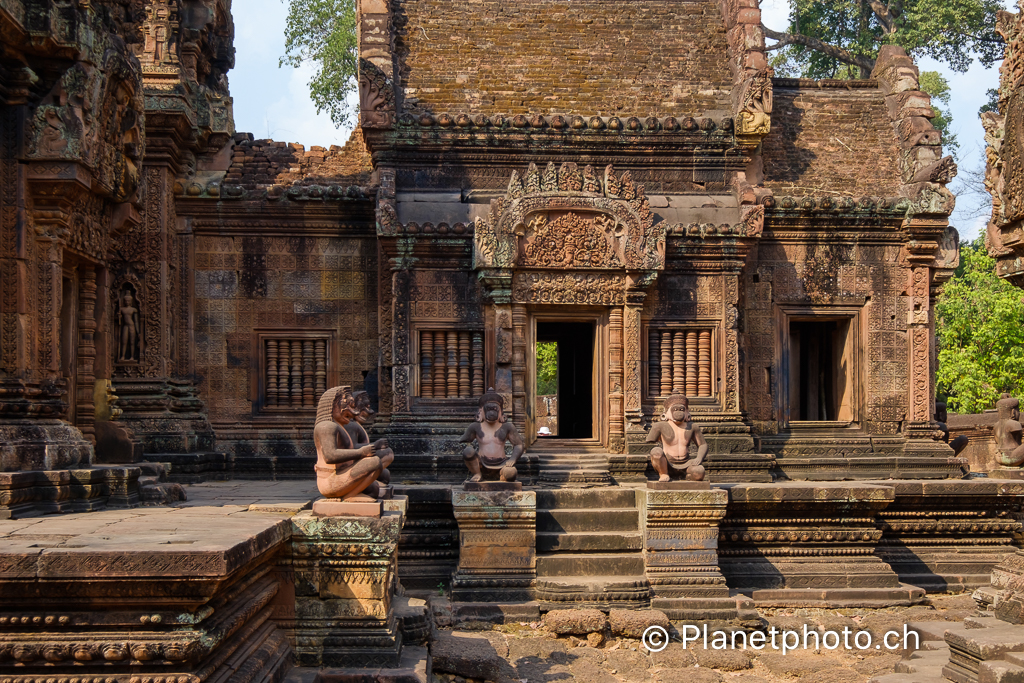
(359, 506)
(492, 486)
(679, 485)
(1006, 473)
(345, 576)
(497, 545)
(681, 553)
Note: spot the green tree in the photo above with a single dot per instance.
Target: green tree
(841, 38)
(979, 322)
(936, 85)
(547, 368)
(322, 33)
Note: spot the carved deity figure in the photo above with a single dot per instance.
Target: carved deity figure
(674, 434)
(357, 431)
(1010, 452)
(754, 116)
(342, 469)
(487, 461)
(128, 317)
(942, 416)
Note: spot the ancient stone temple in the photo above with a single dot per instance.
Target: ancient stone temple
(629, 182)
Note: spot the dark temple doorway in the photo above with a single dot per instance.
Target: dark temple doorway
(575, 377)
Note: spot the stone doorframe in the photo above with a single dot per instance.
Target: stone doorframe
(601, 409)
(569, 236)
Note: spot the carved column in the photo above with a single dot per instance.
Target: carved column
(616, 418)
(519, 366)
(85, 413)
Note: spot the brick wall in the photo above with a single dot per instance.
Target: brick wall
(828, 141)
(261, 163)
(586, 56)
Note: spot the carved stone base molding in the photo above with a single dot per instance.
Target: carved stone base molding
(43, 492)
(344, 572)
(166, 415)
(27, 444)
(142, 603)
(948, 535)
(497, 546)
(798, 544)
(681, 557)
(833, 458)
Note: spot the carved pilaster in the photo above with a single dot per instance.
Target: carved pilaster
(402, 371)
(519, 367)
(85, 413)
(616, 417)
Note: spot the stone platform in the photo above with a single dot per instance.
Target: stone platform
(184, 592)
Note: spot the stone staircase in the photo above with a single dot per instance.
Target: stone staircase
(573, 462)
(590, 549)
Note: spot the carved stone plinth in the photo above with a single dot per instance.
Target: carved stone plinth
(681, 555)
(948, 535)
(345, 575)
(497, 545)
(40, 492)
(803, 544)
(179, 594)
(31, 444)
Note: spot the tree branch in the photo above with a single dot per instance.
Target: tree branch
(839, 53)
(885, 18)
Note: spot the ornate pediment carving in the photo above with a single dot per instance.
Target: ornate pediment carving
(570, 219)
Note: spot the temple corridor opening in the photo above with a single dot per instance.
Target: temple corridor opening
(575, 395)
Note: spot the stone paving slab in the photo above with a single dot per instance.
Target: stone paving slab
(219, 528)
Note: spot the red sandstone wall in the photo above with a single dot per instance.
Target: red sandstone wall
(831, 141)
(245, 284)
(586, 56)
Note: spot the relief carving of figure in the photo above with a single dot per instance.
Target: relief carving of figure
(487, 461)
(671, 458)
(342, 469)
(754, 116)
(1009, 451)
(128, 319)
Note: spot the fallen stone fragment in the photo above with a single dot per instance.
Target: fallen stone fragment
(577, 622)
(633, 623)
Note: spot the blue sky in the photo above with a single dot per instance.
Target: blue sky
(274, 102)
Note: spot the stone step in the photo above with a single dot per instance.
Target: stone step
(601, 592)
(1001, 672)
(575, 476)
(587, 520)
(591, 499)
(591, 564)
(550, 542)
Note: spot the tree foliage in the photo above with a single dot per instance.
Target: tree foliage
(547, 368)
(841, 38)
(979, 322)
(936, 85)
(322, 33)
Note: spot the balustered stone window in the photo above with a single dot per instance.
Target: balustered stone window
(293, 370)
(451, 363)
(679, 361)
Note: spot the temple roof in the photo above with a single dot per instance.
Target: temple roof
(828, 138)
(586, 56)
